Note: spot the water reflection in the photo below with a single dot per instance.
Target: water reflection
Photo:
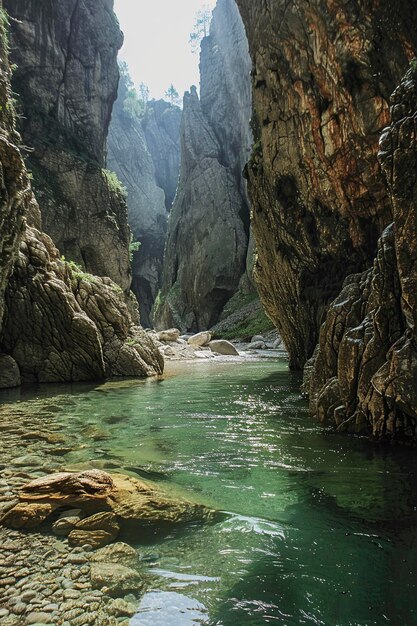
(321, 529)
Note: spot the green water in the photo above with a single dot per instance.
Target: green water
(321, 529)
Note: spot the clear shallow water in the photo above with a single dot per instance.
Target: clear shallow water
(320, 529)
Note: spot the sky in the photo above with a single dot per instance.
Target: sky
(156, 46)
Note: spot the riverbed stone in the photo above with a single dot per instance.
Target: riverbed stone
(172, 334)
(221, 346)
(95, 491)
(67, 521)
(200, 339)
(118, 579)
(116, 553)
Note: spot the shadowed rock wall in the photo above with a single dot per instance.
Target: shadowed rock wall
(144, 152)
(66, 78)
(323, 72)
(208, 230)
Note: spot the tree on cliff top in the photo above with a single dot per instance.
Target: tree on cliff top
(134, 104)
(172, 95)
(201, 27)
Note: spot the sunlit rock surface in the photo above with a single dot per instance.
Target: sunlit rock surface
(323, 72)
(363, 375)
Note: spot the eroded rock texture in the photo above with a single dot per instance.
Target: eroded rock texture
(363, 376)
(208, 227)
(62, 324)
(323, 72)
(66, 78)
(57, 322)
(144, 152)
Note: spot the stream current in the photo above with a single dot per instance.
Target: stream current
(319, 528)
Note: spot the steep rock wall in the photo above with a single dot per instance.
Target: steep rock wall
(66, 78)
(161, 125)
(57, 323)
(144, 151)
(208, 228)
(363, 375)
(323, 72)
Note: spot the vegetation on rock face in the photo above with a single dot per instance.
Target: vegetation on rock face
(201, 27)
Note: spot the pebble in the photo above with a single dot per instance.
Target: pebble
(4, 613)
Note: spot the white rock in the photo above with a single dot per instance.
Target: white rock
(200, 339)
(257, 339)
(221, 346)
(172, 334)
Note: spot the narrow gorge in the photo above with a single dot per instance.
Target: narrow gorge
(208, 348)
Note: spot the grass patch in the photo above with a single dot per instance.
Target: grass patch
(114, 183)
(259, 324)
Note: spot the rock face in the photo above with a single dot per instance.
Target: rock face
(144, 152)
(161, 125)
(62, 324)
(323, 72)
(108, 500)
(58, 323)
(363, 375)
(66, 78)
(208, 227)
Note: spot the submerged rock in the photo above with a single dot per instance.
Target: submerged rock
(108, 500)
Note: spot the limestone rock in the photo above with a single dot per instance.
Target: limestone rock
(144, 152)
(9, 372)
(362, 375)
(66, 78)
(79, 328)
(200, 339)
(208, 228)
(113, 497)
(116, 553)
(169, 335)
(318, 196)
(221, 346)
(118, 579)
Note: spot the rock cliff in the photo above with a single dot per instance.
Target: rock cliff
(58, 322)
(363, 375)
(161, 125)
(208, 228)
(66, 78)
(143, 149)
(322, 75)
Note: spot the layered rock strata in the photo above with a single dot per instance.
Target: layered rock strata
(208, 229)
(323, 72)
(363, 375)
(66, 78)
(144, 152)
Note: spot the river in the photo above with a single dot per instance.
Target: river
(318, 528)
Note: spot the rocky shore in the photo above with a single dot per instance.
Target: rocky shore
(176, 347)
(44, 577)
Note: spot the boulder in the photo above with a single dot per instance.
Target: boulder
(118, 579)
(221, 346)
(169, 335)
(118, 552)
(9, 372)
(257, 339)
(118, 500)
(200, 339)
